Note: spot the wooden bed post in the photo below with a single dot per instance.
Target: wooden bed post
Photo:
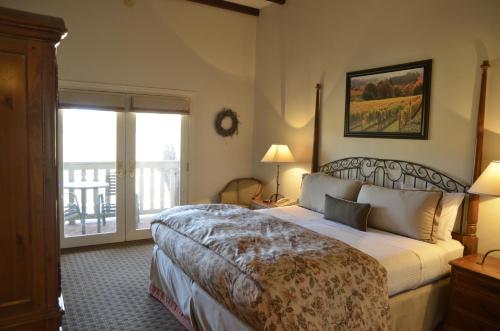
(469, 238)
(317, 115)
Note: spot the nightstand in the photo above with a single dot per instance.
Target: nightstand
(475, 294)
(261, 204)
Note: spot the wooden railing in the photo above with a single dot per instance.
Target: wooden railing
(156, 184)
(164, 181)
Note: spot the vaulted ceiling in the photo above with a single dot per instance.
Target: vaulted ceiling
(250, 7)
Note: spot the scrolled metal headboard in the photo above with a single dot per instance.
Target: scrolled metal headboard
(404, 175)
(392, 173)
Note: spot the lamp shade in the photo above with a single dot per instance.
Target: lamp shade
(489, 181)
(278, 154)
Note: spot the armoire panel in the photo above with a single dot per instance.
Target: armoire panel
(16, 266)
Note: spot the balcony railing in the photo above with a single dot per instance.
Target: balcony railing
(157, 184)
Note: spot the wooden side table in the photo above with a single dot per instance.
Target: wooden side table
(261, 204)
(475, 294)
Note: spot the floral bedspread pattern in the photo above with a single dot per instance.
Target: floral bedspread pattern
(272, 274)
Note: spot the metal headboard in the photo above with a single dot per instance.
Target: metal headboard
(392, 173)
(397, 174)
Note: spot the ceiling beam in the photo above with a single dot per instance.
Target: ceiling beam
(231, 6)
(281, 2)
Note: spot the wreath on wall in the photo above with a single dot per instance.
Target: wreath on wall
(226, 131)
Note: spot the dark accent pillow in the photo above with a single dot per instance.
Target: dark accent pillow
(350, 213)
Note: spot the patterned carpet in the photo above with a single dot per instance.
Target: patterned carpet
(106, 289)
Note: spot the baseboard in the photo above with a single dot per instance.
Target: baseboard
(106, 246)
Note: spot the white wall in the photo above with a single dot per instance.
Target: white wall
(173, 44)
(306, 42)
(177, 44)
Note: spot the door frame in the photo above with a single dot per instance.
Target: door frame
(125, 218)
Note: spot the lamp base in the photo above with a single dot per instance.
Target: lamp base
(485, 255)
(275, 197)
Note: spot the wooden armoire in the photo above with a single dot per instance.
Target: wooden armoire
(29, 236)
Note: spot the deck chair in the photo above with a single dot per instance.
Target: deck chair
(107, 207)
(72, 209)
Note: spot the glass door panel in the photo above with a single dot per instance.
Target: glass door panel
(157, 164)
(90, 177)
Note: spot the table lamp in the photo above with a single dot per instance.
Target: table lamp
(488, 184)
(278, 154)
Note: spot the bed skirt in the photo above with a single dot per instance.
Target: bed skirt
(416, 310)
(158, 294)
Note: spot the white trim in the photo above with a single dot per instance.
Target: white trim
(127, 89)
(131, 233)
(60, 172)
(185, 160)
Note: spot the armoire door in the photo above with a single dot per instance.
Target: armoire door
(25, 180)
(29, 257)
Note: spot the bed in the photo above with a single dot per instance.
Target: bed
(415, 271)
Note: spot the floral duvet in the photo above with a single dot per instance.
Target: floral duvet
(272, 274)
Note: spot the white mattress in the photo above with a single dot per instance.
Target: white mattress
(410, 263)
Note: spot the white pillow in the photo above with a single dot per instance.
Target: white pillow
(447, 214)
(410, 213)
(315, 186)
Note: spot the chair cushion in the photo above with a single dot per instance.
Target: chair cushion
(230, 195)
(240, 192)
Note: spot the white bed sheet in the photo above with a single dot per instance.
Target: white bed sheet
(409, 263)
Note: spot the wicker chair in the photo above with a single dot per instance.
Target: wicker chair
(241, 191)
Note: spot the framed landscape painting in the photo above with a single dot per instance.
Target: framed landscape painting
(389, 102)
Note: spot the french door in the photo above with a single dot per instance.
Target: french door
(154, 148)
(119, 169)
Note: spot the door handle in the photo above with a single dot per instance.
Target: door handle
(131, 168)
(119, 169)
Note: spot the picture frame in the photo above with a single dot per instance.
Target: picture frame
(389, 102)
